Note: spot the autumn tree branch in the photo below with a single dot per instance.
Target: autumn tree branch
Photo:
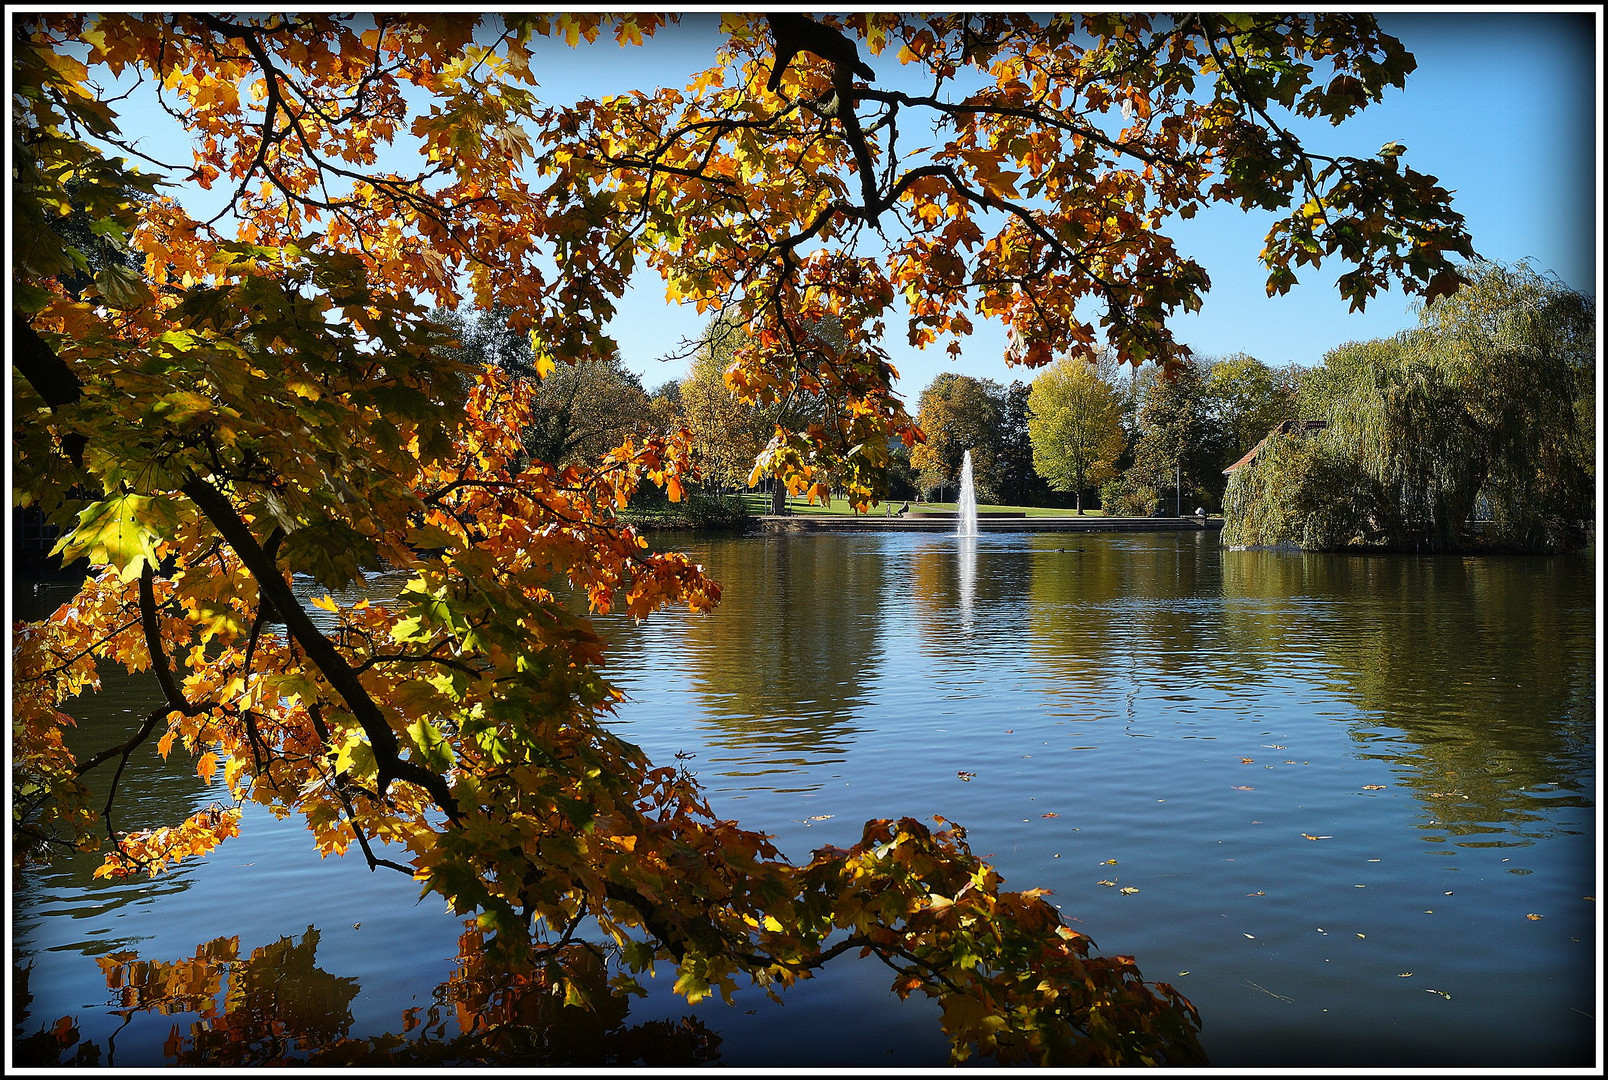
(59, 386)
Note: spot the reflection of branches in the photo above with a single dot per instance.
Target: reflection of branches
(278, 1007)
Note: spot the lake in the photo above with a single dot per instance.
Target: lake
(1346, 804)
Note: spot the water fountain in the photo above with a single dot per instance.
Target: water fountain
(966, 508)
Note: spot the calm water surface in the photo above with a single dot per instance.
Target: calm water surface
(1356, 795)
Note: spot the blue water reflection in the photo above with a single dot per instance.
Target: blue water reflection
(1322, 795)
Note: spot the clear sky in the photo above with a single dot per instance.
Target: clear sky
(1503, 108)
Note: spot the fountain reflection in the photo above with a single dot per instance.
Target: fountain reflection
(966, 560)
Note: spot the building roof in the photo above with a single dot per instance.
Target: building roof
(1284, 427)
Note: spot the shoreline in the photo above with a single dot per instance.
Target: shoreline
(791, 523)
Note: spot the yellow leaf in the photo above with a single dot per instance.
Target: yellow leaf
(206, 765)
(326, 602)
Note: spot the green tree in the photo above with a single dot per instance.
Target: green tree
(1075, 423)
(580, 411)
(1180, 453)
(958, 413)
(268, 398)
(1246, 399)
(1519, 349)
(1019, 483)
(584, 410)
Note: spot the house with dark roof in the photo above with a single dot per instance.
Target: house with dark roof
(1285, 427)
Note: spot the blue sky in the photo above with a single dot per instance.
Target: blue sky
(1503, 109)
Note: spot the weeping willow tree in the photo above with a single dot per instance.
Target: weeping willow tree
(1476, 428)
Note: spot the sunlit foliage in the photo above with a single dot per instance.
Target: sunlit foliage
(269, 395)
(1074, 420)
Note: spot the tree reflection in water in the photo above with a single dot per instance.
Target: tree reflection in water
(1465, 675)
(277, 1007)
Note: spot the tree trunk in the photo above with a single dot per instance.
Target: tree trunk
(778, 496)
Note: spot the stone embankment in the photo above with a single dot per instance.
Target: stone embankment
(985, 523)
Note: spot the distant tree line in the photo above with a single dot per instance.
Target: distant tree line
(1479, 420)
(1080, 434)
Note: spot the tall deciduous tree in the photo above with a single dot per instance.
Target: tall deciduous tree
(1075, 422)
(269, 397)
(727, 433)
(1019, 484)
(1181, 448)
(578, 411)
(958, 413)
(1246, 399)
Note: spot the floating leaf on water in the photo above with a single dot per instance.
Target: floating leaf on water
(1251, 936)
(819, 817)
(1258, 892)
(1109, 862)
(1243, 787)
(1442, 993)
(1246, 760)
(964, 775)
(1404, 975)
(1181, 974)
(1128, 890)
(1275, 746)
(1051, 814)
(1533, 917)
(1362, 935)
(1106, 883)
(1373, 787)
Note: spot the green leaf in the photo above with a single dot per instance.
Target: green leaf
(694, 987)
(121, 531)
(433, 747)
(121, 287)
